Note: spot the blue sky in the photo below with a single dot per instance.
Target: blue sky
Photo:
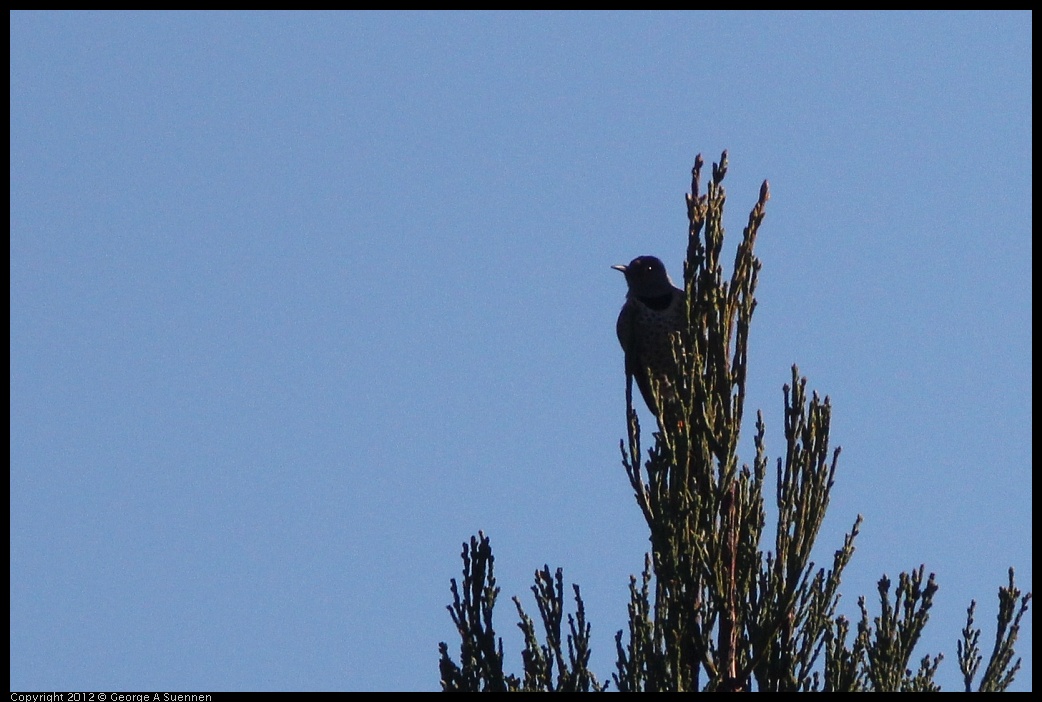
(299, 302)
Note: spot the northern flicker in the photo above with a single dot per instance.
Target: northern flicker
(654, 308)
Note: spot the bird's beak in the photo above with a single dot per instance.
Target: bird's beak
(620, 268)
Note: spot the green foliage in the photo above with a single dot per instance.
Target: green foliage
(1001, 669)
(890, 644)
(481, 653)
(712, 609)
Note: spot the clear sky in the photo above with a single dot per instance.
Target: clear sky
(299, 302)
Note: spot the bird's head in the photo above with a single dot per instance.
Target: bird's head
(646, 277)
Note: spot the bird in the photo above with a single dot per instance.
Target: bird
(654, 308)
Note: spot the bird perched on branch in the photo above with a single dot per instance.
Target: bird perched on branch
(654, 308)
